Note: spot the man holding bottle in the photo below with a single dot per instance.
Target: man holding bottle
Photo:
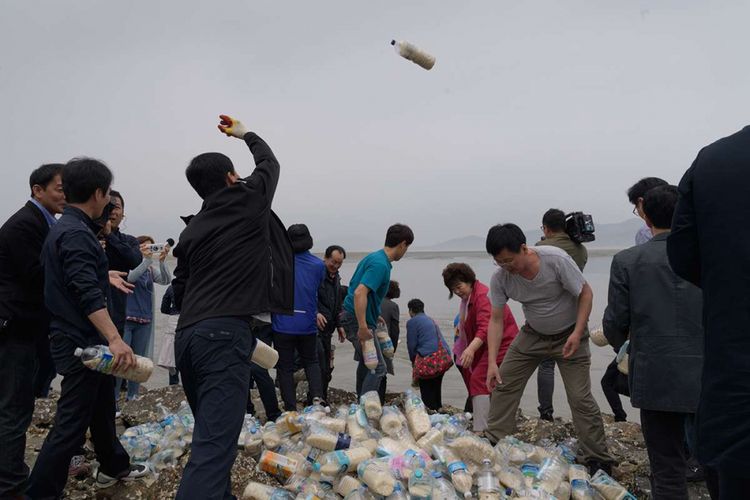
(367, 289)
(234, 266)
(76, 293)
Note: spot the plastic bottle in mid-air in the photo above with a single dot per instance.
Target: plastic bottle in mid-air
(414, 54)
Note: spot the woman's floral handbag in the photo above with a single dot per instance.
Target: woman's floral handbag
(435, 364)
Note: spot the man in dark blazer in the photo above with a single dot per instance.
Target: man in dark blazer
(24, 321)
(710, 247)
(661, 315)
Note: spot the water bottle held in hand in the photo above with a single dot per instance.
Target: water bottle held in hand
(100, 359)
(370, 354)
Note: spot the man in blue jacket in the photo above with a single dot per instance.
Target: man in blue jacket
(300, 332)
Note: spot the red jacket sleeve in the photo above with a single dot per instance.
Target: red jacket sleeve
(483, 310)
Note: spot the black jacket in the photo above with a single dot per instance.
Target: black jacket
(21, 276)
(76, 277)
(710, 246)
(123, 254)
(329, 301)
(234, 258)
(661, 314)
(167, 303)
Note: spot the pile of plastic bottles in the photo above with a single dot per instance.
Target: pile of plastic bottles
(161, 443)
(368, 452)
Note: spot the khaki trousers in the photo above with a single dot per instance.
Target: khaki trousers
(526, 352)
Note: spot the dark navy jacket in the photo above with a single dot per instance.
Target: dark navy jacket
(76, 277)
(123, 254)
(710, 247)
(21, 277)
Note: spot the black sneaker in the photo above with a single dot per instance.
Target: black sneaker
(136, 471)
(546, 416)
(595, 465)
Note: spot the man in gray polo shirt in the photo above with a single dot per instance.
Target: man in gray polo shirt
(556, 303)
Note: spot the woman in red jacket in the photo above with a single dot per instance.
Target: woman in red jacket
(471, 347)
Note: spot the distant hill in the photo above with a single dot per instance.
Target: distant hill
(611, 235)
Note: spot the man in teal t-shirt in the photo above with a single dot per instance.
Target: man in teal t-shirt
(367, 288)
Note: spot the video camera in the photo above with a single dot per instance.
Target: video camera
(580, 227)
(159, 247)
(102, 220)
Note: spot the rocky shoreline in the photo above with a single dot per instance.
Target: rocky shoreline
(624, 439)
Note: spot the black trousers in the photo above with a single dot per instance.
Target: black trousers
(545, 386)
(18, 362)
(87, 401)
(213, 357)
(262, 380)
(725, 486)
(431, 390)
(664, 433)
(325, 361)
(307, 347)
(45, 372)
(615, 383)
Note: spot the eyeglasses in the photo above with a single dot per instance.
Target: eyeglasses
(503, 263)
(635, 210)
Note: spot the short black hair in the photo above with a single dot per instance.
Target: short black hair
(505, 236)
(658, 205)
(416, 306)
(118, 195)
(554, 219)
(82, 177)
(394, 291)
(43, 175)
(207, 173)
(640, 188)
(398, 233)
(335, 248)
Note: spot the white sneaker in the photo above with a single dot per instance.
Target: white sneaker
(137, 471)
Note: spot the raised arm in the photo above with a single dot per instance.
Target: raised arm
(265, 177)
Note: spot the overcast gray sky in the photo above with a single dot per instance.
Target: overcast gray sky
(530, 105)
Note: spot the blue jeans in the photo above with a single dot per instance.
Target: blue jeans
(213, 357)
(372, 379)
(137, 336)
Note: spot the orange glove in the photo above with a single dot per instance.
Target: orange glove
(232, 127)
